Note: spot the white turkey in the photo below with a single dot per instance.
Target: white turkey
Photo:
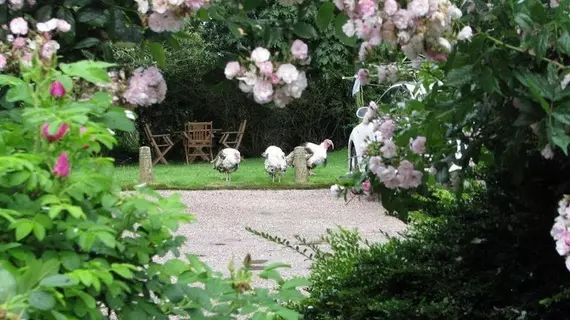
(316, 154)
(227, 161)
(275, 163)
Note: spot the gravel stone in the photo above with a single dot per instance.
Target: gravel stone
(219, 234)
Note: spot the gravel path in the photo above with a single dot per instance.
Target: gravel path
(218, 234)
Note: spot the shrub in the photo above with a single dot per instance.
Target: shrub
(488, 256)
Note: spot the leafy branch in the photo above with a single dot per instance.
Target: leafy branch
(317, 252)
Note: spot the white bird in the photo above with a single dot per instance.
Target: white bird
(227, 161)
(275, 163)
(316, 154)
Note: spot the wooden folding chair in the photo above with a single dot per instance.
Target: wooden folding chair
(161, 147)
(232, 139)
(197, 137)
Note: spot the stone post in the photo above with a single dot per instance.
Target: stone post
(145, 165)
(300, 163)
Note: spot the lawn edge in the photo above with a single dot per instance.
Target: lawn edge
(158, 186)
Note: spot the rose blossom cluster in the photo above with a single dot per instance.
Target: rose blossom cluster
(382, 155)
(146, 87)
(23, 41)
(271, 81)
(168, 15)
(423, 27)
(561, 229)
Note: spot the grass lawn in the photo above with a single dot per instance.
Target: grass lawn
(251, 175)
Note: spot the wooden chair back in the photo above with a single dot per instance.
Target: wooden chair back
(199, 136)
(161, 143)
(199, 133)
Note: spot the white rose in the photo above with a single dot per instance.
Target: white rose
(260, 54)
(465, 34)
(262, 91)
(232, 69)
(288, 73)
(454, 13)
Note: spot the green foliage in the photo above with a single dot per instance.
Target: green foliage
(489, 256)
(74, 246)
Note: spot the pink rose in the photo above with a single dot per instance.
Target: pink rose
(57, 90)
(266, 68)
(58, 135)
(419, 145)
(299, 50)
(62, 167)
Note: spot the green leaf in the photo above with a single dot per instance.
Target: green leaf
(296, 282)
(175, 293)
(85, 277)
(41, 300)
(93, 16)
(57, 280)
(524, 21)
(460, 76)
(234, 29)
(23, 229)
(175, 267)
(339, 22)
(116, 119)
(7, 285)
(249, 5)
(272, 275)
(58, 316)
(543, 43)
(54, 211)
(562, 113)
(214, 13)
(564, 43)
(39, 231)
(43, 14)
(70, 260)
(108, 201)
(20, 92)
(288, 314)
(107, 238)
(558, 135)
(75, 211)
(10, 80)
(122, 270)
(487, 81)
(157, 52)
(92, 71)
(203, 14)
(305, 30)
(87, 43)
(325, 15)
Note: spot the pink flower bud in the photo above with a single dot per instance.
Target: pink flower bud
(57, 90)
(366, 186)
(58, 135)
(61, 168)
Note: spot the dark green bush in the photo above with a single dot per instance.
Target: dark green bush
(487, 257)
